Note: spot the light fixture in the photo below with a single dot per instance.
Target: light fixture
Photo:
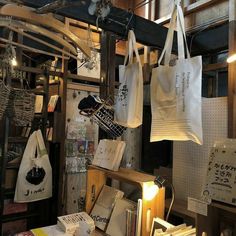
(150, 192)
(14, 61)
(231, 58)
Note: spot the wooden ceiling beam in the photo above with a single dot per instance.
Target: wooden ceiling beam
(192, 8)
(232, 71)
(147, 32)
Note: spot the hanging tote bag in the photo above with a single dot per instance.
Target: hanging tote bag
(176, 90)
(34, 181)
(129, 101)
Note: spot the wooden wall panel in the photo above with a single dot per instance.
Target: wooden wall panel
(215, 12)
(165, 7)
(123, 4)
(211, 14)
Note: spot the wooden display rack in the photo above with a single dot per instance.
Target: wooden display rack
(97, 177)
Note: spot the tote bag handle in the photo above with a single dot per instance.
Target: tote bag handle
(40, 143)
(130, 48)
(177, 14)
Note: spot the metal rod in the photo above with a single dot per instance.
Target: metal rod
(52, 6)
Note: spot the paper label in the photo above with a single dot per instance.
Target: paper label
(197, 206)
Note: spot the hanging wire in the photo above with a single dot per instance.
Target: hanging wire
(172, 200)
(194, 35)
(79, 66)
(141, 4)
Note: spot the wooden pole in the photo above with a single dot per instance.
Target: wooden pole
(232, 71)
(107, 79)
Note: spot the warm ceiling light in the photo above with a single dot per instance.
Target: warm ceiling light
(14, 61)
(232, 58)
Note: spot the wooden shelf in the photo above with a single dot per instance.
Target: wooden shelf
(218, 212)
(39, 93)
(224, 206)
(9, 193)
(13, 166)
(17, 139)
(18, 216)
(126, 175)
(96, 179)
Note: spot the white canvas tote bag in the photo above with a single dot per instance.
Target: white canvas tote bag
(34, 181)
(129, 101)
(176, 90)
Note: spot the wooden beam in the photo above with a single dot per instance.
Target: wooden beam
(62, 128)
(107, 81)
(83, 87)
(147, 32)
(216, 66)
(20, 31)
(232, 72)
(67, 75)
(28, 14)
(192, 8)
(31, 49)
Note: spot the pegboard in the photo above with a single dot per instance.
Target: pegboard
(189, 159)
(81, 142)
(78, 126)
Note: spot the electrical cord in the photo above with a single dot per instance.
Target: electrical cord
(172, 200)
(162, 182)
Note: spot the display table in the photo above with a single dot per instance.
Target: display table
(52, 230)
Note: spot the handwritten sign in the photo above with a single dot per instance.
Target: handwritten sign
(221, 175)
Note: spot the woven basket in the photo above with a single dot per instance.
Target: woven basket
(4, 97)
(21, 106)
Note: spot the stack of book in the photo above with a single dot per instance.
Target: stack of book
(76, 224)
(163, 228)
(115, 215)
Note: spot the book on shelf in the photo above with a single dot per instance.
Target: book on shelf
(160, 224)
(104, 205)
(120, 216)
(109, 154)
(52, 103)
(163, 228)
(26, 131)
(131, 217)
(38, 108)
(139, 217)
(49, 133)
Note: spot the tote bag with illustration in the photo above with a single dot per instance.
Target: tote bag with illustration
(176, 90)
(129, 101)
(34, 181)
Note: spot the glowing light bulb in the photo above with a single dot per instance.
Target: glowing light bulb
(232, 58)
(14, 61)
(150, 192)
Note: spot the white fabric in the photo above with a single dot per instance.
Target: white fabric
(129, 101)
(26, 191)
(176, 90)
